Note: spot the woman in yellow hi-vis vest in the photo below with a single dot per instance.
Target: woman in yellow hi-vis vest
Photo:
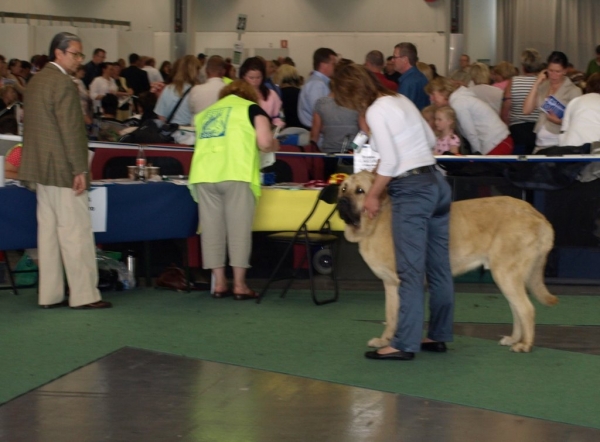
(224, 177)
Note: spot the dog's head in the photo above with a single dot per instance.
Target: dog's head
(351, 196)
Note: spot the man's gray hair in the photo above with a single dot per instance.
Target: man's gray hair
(375, 58)
(409, 51)
(61, 41)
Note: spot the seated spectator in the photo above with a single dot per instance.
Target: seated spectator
(14, 73)
(521, 125)
(204, 95)
(185, 76)
(477, 122)
(124, 93)
(554, 82)
(502, 73)
(8, 96)
(289, 81)
(581, 122)
(109, 128)
(480, 85)
(253, 72)
(102, 85)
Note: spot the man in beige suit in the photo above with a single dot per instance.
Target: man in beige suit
(55, 163)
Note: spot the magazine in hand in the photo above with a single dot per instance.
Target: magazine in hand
(553, 105)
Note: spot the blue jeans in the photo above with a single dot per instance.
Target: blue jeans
(420, 218)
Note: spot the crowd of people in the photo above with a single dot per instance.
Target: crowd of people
(409, 112)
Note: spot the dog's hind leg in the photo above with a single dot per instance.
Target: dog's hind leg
(392, 305)
(512, 284)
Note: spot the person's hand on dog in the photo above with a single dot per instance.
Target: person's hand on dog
(371, 205)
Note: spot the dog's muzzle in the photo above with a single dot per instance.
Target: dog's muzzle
(347, 211)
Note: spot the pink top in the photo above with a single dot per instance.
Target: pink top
(272, 106)
(501, 84)
(444, 144)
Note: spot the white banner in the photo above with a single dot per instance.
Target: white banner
(365, 159)
(98, 205)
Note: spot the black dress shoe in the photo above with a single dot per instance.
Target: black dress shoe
(395, 356)
(94, 305)
(245, 296)
(436, 347)
(64, 303)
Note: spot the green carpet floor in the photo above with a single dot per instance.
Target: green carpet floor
(293, 336)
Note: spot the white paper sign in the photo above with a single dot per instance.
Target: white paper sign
(97, 205)
(365, 159)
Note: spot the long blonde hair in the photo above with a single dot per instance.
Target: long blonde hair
(186, 72)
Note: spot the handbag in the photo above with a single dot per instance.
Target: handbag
(173, 278)
(150, 132)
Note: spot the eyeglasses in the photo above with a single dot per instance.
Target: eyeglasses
(77, 55)
(397, 56)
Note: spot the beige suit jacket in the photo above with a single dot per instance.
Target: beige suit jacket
(55, 145)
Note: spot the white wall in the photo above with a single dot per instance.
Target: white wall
(322, 15)
(144, 15)
(480, 29)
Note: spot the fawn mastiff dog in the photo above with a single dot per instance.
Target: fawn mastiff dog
(504, 234)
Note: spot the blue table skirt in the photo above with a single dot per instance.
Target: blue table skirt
(135, 212)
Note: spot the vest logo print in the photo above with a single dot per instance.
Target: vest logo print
(215, 123)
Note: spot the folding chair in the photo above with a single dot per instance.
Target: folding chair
(309, 238)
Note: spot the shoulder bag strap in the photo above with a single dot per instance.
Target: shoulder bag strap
(178, 104)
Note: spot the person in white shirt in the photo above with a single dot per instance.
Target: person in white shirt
(204, 95)
(154, 75)
(581, 122)
(480, 85)
(103, 85)
(420, 199)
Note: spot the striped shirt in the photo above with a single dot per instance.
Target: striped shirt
(520, 87)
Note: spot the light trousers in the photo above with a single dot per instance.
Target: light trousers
(65, 245)
(226, 212)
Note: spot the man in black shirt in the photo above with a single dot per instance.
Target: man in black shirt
(137, 78)
(92, 68)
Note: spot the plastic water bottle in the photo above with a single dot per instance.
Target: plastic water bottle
(140, 163)
(359, 141)
(130, 269)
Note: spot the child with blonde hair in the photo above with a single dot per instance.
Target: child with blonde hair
(445, 127)
(429, 116)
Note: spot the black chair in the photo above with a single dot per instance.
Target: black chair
(309, 239)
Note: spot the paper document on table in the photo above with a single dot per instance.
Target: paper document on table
(365, 159)
(97, 205)
(267, 159)
(553, 105)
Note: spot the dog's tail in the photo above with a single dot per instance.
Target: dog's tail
(535, 281)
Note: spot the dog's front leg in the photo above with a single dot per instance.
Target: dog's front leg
(392, 305)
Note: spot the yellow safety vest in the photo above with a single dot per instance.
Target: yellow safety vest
(226, 147)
